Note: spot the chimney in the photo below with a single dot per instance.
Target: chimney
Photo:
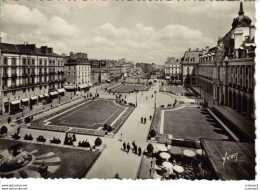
(251, 32)
(50, 50)
(44, 49)
(197, 49)
(71, 54)
(207, 48)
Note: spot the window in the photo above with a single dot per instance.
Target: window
(32, 88)
(33, 61)
(24, 61)
(13, 61)
(5, 60)
(24, 90)
(5, 93)
(40, 61)
(13, 92)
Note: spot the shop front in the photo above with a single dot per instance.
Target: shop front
(25, 102)
(33, 100)
(61, 91)
(54, 95)
(15, 107)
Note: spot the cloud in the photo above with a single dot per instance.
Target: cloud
(138, 42)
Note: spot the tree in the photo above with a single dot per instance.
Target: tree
(109, 129)
(150, 148)
(3, 130)
(152, 133)
(98, 141)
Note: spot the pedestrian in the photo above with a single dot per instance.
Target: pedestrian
(135, 149)
(124, 146)
(139, 151)
(151, 117)
(142, 120)
(9, 120)
(145, 120)
(128, 147)
(133, 144)
(121, 137)
(146, 97)
(166, 144)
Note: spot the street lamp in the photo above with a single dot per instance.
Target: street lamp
(136, 97)
(155, 99)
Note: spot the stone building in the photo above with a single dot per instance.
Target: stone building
(173, 70)
(227, 71)
(77, 72)
(29, 75)
(189, 63)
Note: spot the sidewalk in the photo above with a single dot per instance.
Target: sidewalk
(114, 160)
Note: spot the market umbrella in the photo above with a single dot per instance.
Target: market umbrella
(167, 165)
(178, 169)
(189, 153)
(161, 147)
(165, 155)
(199, 152)
(175, 151)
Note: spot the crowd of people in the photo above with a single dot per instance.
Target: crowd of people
(135, 149)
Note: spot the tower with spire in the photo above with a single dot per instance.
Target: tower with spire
(242, 20)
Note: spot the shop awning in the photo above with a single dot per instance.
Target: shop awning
(69, 87)
(84, 86)
(61, 90)
(54, 93)
(34, 98)
(25, 100)
(167, 77)
(41, 96)
(46, 95)
(15, 102)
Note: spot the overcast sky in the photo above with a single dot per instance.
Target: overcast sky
(138, 31)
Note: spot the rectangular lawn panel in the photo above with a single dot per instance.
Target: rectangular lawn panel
(175, 89)
(192, 123)
(130, 88)
(69, 162)
(92, 115)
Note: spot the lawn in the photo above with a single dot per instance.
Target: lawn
(91, 115)
(62, 162)
(192, 123)
(175, 89)
(130, 88)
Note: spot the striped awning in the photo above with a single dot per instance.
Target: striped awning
(25, 99)
(54, 93)
(69, 87)
(84, 85)
(46, 95)
(15, 102)
(41, 96)
(61, 90)
(34, 98)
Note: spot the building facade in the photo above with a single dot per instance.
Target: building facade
(227, 71)
(29, 75)
(189, 63)
(173, 70)
(77, 72)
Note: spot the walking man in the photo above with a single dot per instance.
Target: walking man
(139, 151)
(151, 117)
(133, 145)
(124, 146)
(142, 120)
(145, 120)
(135, 149)
(9, 120)
(128, 147)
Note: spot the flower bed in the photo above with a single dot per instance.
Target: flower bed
(87, 131)
(49, 128)
(122, 119)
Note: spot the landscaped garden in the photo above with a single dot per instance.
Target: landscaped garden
(91, 115)
(192, 123)
(177, 90)
(128, 88)
(24, 160)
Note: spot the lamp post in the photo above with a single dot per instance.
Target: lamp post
(22, 110)
(155, 99)
(136, 91)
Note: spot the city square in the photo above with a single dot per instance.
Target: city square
(186, 111)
